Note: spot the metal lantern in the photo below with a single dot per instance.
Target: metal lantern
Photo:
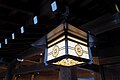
(67, 46)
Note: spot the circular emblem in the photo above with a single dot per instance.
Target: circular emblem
(78, 50)
(55, 51)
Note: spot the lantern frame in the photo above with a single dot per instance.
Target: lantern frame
(67, 35)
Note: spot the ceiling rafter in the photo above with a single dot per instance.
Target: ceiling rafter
(16, 9)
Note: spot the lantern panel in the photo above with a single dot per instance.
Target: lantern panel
(77, 40)
(75, 31)
(56, 50)
(56, 41)
(77, 50)
(55, 32)
(67, 46)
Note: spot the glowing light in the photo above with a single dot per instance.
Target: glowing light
(13, 36)
(35, 20)
(54, 6)
(6, 41)
(20, 60)
(117, 8)
(22, 29)
(0, 45)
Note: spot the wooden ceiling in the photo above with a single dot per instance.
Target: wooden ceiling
(98, 17)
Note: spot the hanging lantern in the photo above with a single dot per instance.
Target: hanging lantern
(67, 46)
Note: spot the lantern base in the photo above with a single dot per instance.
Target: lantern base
(68, 62)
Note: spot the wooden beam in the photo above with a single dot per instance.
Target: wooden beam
(3, 67)
(90, 67)
(109, 51)
(17, 9)
(101, 24)
(30, 52)
(29, 61)
(32, 68)
(25, 54)
(41, 67)
(11, 20)
(110, 60)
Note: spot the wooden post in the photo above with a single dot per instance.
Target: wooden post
(14, 77)
(65, 73)
(73, 73)
(32, 77)
(11, 67)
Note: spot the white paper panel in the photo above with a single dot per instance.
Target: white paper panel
(72, 48)
(61, 51)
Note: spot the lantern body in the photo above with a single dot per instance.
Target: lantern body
(67, 46)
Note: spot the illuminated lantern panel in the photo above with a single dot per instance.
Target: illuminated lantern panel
(67, 46)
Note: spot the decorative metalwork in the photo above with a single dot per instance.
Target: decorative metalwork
(55, 51)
